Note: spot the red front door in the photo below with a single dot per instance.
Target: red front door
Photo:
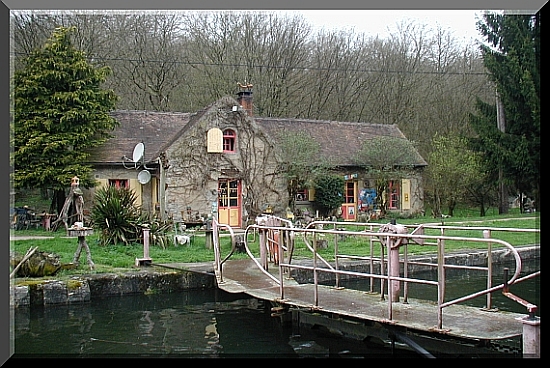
(349, 207)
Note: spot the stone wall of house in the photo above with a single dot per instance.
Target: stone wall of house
(194, 184)
(417, 194)
(416, 191)
(192, 179)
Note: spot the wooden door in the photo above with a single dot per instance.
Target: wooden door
(229, 202)
(349, 207)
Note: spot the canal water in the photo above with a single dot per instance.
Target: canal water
(199, 324)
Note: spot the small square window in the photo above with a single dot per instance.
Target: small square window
(302, 195)
(119, 183)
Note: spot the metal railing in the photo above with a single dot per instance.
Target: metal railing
(285, 244)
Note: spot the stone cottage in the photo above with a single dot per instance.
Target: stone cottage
(223, 161)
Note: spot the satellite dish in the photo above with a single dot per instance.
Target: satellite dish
(138, 152)
(144, 176)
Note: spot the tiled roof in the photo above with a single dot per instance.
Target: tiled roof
(153, 128)
(339, 140)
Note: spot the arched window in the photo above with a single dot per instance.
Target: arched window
(229, 138)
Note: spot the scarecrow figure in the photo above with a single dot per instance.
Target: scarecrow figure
(72, 212)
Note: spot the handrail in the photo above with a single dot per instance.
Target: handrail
(425, 226)
(407, 236)
(385, 276)
(308, 245)
(255, 226)
(217, 252)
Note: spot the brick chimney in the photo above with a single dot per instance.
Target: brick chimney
(245, 98)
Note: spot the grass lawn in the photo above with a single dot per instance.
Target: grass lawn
(121, 257)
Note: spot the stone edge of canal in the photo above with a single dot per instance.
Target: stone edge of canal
(156, 279)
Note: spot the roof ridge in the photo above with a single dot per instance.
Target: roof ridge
(151, 112)
(322, 121)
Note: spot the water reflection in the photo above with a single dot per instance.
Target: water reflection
(207, 323)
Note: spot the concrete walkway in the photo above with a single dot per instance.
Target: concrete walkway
(30, 237)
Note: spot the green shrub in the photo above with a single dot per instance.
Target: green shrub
(328, 193)
(116, 215)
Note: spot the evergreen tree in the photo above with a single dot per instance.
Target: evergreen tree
(329, 194)
(60, 112)
(512, 57)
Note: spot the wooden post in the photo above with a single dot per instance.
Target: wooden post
(81, 234)
(209, 235)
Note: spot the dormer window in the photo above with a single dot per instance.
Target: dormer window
(229, 138)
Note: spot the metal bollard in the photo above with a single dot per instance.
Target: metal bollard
(146, 260)
(394, 244)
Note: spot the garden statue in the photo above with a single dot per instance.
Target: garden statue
(72, 212)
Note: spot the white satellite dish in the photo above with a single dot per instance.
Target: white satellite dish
(138, 152)
(144, 176)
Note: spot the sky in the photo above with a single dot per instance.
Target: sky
(462, 23)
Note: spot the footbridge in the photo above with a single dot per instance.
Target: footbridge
(265, 261)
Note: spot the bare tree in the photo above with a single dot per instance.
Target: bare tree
(151, 58)
(29, 31)
(276, 50)
(447, 93)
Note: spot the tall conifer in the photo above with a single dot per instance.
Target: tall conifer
(512, 56)
(60, 112)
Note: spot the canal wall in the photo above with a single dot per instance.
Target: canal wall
(149, 280)
(153, 279)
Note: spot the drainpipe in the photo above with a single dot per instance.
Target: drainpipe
(162, 191)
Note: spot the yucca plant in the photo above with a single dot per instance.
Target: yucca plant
(116, 215)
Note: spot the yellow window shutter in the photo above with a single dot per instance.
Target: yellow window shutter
(135, 185)
(406, 194)
(102, 183)
(214, 141)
